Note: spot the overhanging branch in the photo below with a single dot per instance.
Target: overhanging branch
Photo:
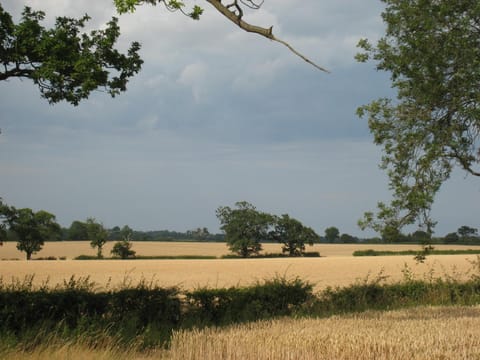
(265, 32)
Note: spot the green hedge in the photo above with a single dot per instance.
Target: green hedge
(146, 314)
(371, 252)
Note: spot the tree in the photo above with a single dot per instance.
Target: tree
(331, 234)
(234, 12)
(244, 227)
(347, 238)
(199, 233)
(126, 233)
(123, 249)
(292, 234)
(3, 220)
(31, 228)
(97, 234)
(78, 231)
(431, 49)
(422, 237)
(467, 232)
(451, 238)
(65, 63)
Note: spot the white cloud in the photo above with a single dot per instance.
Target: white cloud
(194, 76)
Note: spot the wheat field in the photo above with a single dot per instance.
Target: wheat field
(433, 333)
(71, 249)
(419, 333)
(337, 267)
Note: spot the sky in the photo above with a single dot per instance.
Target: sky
(216, 116)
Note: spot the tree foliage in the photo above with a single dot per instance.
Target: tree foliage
(97, 234)
(3, 219)
(78, 231)
(332, 234)
(432, 51)
(66, 63)
(244, 227)
(466, 232)
(31, 228)
(292, 234)
(123, 249)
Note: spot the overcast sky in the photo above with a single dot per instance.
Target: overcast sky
(216, 116)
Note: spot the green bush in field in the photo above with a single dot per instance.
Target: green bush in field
(123, 249)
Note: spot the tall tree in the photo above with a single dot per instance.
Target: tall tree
(432, 50)
(66, 63)
(244, 227)
(78, 231)
(292, 234)
(97, 234)
(31, 228)
(126, 233)
(332, 234)
(466, 232)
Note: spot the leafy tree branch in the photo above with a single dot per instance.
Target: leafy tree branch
(64, 62)
(431, 50)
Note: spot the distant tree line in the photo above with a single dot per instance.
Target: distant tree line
(244, 230)
(78, 231)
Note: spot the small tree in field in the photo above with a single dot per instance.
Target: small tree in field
(293, 235)
(123, 250)
(98, 235)
(244, 227)
(31, 228)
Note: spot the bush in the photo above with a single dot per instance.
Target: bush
(277, 297)
(123, 249)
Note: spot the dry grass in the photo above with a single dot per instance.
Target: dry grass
(188, 274)
(421, 333)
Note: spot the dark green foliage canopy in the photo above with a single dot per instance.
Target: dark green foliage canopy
(65, 63)
(123, 249)
(332, 234)
(292, 234)
(244, 227)
(31, 228)
(467, 231)
(78, 231)
(431, 48)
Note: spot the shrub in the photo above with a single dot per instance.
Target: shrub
(277, 297)
(123, 249)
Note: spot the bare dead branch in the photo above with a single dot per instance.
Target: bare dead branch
(265, 32)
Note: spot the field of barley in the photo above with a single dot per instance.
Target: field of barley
(336, 267)
(432, 333)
